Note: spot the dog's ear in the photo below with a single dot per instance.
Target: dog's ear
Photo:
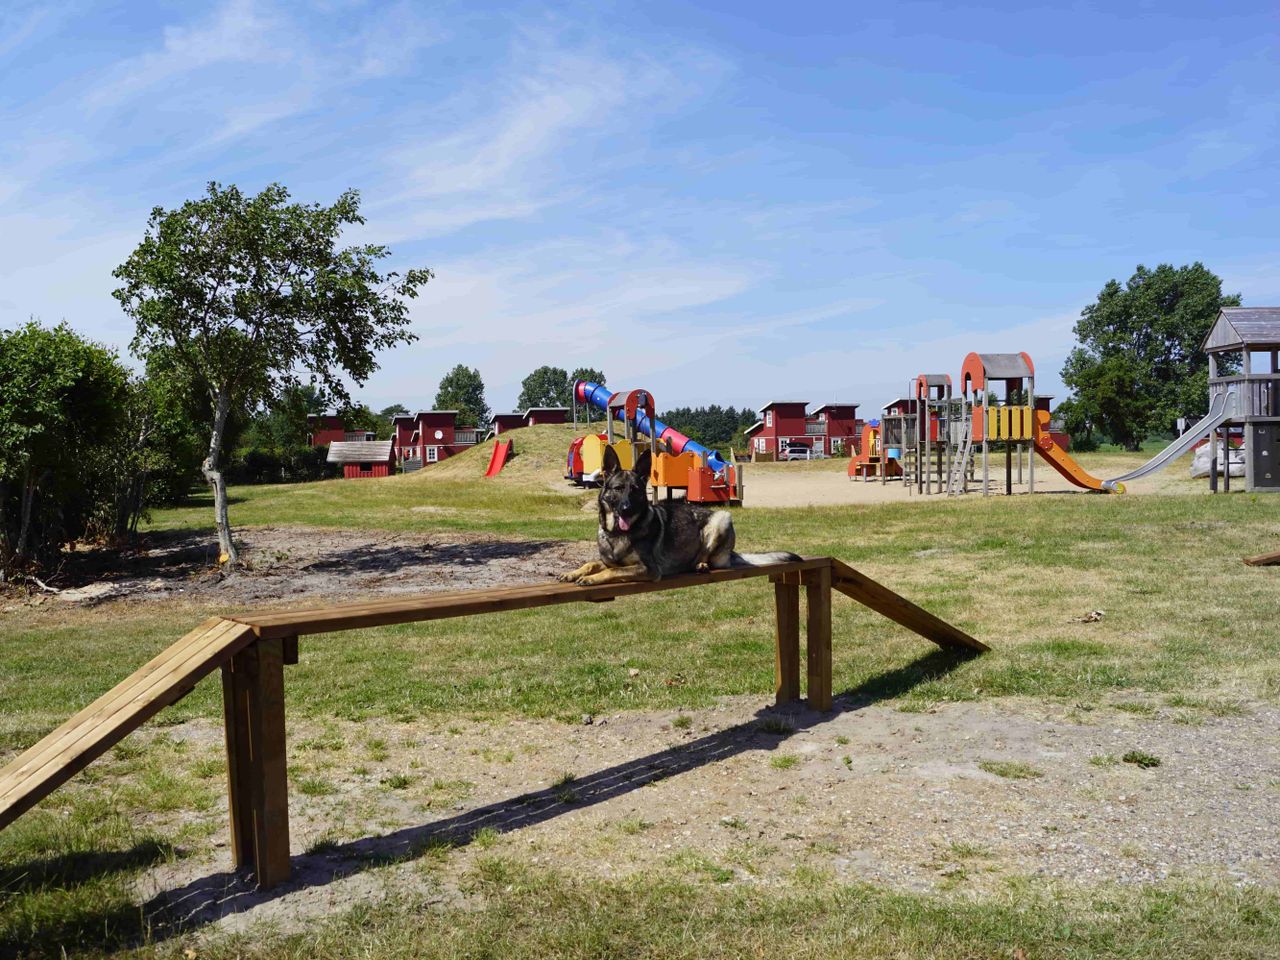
(643, 464)
(611, 462)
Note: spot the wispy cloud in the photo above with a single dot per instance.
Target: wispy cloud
(236, 32)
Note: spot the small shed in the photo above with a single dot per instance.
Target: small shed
(363, 458)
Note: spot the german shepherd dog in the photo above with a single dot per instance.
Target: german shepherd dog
(640, 540)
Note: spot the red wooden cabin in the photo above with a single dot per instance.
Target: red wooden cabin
(502, 422)
(535, 416)
(830, 428)
(430, 436)
(326, 428)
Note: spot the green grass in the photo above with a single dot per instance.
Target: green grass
(694, 909)
(1187, 627)
(1010, 769)
(1140, 758)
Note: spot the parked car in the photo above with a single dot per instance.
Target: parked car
(797, 451)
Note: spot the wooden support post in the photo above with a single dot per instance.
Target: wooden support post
(818, 637)
(235, 711)
(786, 597)
(253, 701)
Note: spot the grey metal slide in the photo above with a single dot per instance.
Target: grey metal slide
(1224, 407)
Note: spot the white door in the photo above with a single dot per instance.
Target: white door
(433, 454)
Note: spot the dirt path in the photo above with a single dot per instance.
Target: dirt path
(296, 563)
(750, 795)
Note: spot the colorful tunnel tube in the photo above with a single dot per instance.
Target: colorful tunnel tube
(597, 396)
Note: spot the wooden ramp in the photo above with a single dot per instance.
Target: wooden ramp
(253, 649)
(97, 728)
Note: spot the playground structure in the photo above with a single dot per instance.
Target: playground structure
(677, 463)
(870, 459)
(1244, 397)
(252, 651)
(936, 440)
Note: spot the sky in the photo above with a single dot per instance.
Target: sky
(725, 203)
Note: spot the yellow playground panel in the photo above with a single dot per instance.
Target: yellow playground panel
(1007, 423)
(593, 454)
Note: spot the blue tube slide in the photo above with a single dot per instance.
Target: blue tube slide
(598, 397)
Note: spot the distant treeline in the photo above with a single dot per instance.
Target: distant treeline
(712, 426)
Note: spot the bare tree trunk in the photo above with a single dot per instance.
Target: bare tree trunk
(28, 501)
(213, 474)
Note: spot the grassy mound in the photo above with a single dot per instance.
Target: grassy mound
(539, 458)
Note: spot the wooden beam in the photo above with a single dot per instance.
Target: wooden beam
(164, 680)
(899, 609)
(1263, 560)
(818, 637)
(269, 784)
(787, 669)
(235, 716)
(441, 606)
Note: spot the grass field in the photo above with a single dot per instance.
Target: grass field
(1186, 625)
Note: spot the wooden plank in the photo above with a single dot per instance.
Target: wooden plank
(468, 603)
(235, 713)
(269, 785)
(69, 749)
(92, 712)
(1263, 560)
(787, 663)
(157, 678)
(818, 637)
(899, 609)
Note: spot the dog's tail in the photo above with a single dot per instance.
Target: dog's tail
(762, 559)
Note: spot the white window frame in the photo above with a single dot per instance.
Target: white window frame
(433, 455)
(768, 418)
(760, 444)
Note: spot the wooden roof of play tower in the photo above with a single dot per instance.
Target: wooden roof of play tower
(1244, 328)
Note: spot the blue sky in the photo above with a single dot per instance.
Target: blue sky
(729, 202)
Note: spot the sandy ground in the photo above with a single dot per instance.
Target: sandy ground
(867, 793)
(826, 484)
(293, 563)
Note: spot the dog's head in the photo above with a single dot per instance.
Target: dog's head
(624, 494)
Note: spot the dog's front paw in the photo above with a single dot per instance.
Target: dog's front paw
(702, 567)
(570, 577)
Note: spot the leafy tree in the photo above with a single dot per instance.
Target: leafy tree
(249, 292)
(712, 426)
(281, 423)
(61, 403)
(545, 387)
(462, 389)
(1137, 365)
(395, 410)
(590, 374)
(360, 418)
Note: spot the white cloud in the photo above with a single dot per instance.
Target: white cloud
(237, 32)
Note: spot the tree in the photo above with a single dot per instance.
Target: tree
(1137, 365)
(395, 410)
(590, 374)
(545, 387)
(61, 411)
(249, 292)
(360, 418)
(462, 389)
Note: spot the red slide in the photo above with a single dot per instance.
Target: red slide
(501, 454)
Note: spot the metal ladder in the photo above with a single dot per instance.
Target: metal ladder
(960, 465)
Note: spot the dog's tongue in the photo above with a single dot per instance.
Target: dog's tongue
(623, 523)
